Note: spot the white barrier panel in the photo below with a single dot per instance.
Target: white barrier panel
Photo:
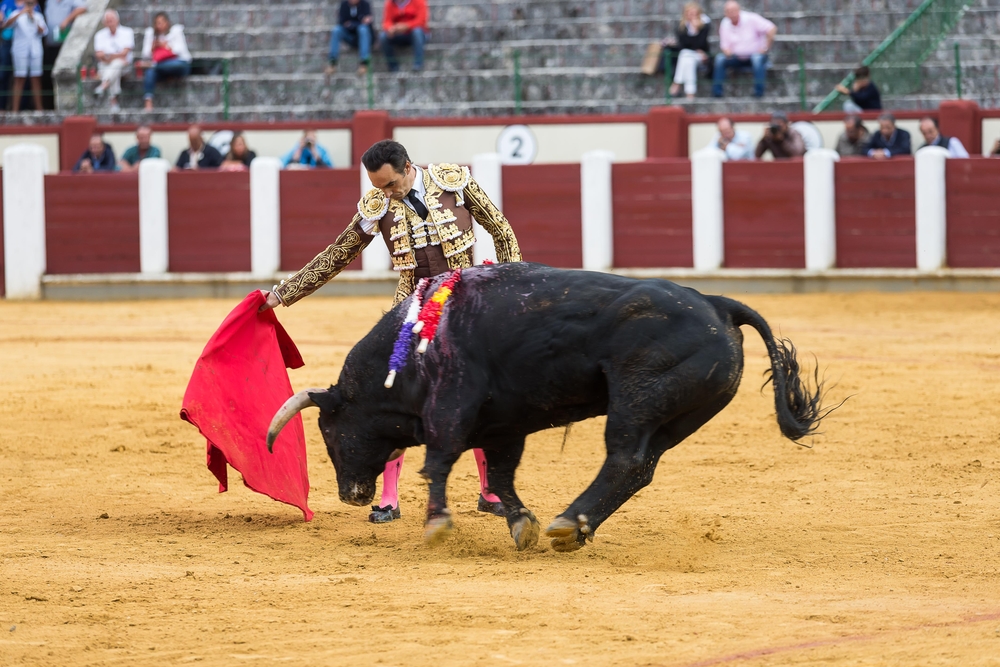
(265, 217)
(929, 165)
(24, 167)
(596, 209)
(488, 172)
(820, 209)
(706, 209)
(154, 248)
(375, 258)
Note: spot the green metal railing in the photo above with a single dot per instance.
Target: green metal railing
(895, 63)
(958, 72)
(668, 68)
(518, 93)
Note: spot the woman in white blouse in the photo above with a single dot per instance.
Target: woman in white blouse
(166, 46)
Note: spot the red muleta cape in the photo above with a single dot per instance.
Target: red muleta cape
(238, 384)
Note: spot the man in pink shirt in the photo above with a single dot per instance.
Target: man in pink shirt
(744, 40)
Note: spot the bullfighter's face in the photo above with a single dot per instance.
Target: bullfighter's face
(394, 184)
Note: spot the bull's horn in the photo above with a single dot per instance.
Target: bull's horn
(292, 407)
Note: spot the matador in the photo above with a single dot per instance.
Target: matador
(425, 216)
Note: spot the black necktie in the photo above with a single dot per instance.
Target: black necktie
(418, 205)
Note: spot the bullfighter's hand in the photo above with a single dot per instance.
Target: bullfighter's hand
(270, 302)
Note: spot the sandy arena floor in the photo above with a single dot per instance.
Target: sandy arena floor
(879, 546)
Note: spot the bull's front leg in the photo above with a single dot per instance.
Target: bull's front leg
(502, 461)
(437, 467)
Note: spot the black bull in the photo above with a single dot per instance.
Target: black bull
(524, 347)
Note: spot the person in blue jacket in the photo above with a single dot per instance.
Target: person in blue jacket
(890, 141)
(307, 154)
(97, 158)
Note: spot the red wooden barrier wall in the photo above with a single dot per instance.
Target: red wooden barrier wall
(876, 213)
(316, 206)
(764, 214)
(3, 280)
(973, 202)
(542, 203)
(209, 221)
(652, 214)
(92, 223)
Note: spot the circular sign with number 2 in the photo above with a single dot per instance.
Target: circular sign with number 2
(516, 145)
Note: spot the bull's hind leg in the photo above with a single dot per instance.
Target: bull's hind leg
(632, 457)
(502, 461)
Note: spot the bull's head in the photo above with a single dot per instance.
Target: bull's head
(348, 432)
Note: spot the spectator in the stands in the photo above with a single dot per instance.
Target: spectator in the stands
(307, 154)
(780, 139)
(745, 39)
(239, 156)
(113, 47)
(736, 144)
(97, 158)
(59, 15)
(404, 23)
(198, 155)
(165, 49)
(354, 27)
(864, 94)
(27, 51)
(854, 139)
(143, 149)
(890, 141)
(692, 52)
(7, 7)
(933, 137)
(995, 151)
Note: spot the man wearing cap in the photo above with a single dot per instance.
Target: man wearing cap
(424, 215)
(781, 139)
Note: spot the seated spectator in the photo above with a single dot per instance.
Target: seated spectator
(199, 155)
(933, 137)
(781, 139)
(7, 7)
(736, 144)
(113, 46)
(995, 151)
(354, 28)
(239, 156)
(143, 149)
(864, 94)
(97, 157)
(307, 154)
(854, 139)
(889, 141)
(744, 40)
(693, 52)
(26, 51)
(404, 23)
(165, 49)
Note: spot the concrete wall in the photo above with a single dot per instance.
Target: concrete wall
(49, 142)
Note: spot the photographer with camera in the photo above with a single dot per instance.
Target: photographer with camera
(781, 139)
(307, 154)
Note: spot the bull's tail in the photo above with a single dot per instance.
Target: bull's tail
(797, 404)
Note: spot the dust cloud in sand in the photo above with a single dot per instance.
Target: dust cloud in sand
(877, 546)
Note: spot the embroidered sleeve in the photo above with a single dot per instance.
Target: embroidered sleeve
(372, 208)
(325, 265)
(493, 221)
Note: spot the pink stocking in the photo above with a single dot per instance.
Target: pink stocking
(483, 483)
(390, 478)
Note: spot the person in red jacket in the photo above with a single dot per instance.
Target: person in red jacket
(404, 23)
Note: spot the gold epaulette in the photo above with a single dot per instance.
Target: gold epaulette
(449, 177)
(373, 205)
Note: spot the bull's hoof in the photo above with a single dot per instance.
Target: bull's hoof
(437, 529)
(383, 514)
(491, 508)
(525, 530)
(569, 536)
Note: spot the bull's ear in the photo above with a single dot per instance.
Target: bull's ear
(327, 401)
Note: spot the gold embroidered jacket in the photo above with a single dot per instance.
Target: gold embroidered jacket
(453, 200)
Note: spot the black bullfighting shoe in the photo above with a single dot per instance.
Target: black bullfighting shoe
(491, 508)
(383, 514)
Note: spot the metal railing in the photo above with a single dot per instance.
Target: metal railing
(896, 62)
